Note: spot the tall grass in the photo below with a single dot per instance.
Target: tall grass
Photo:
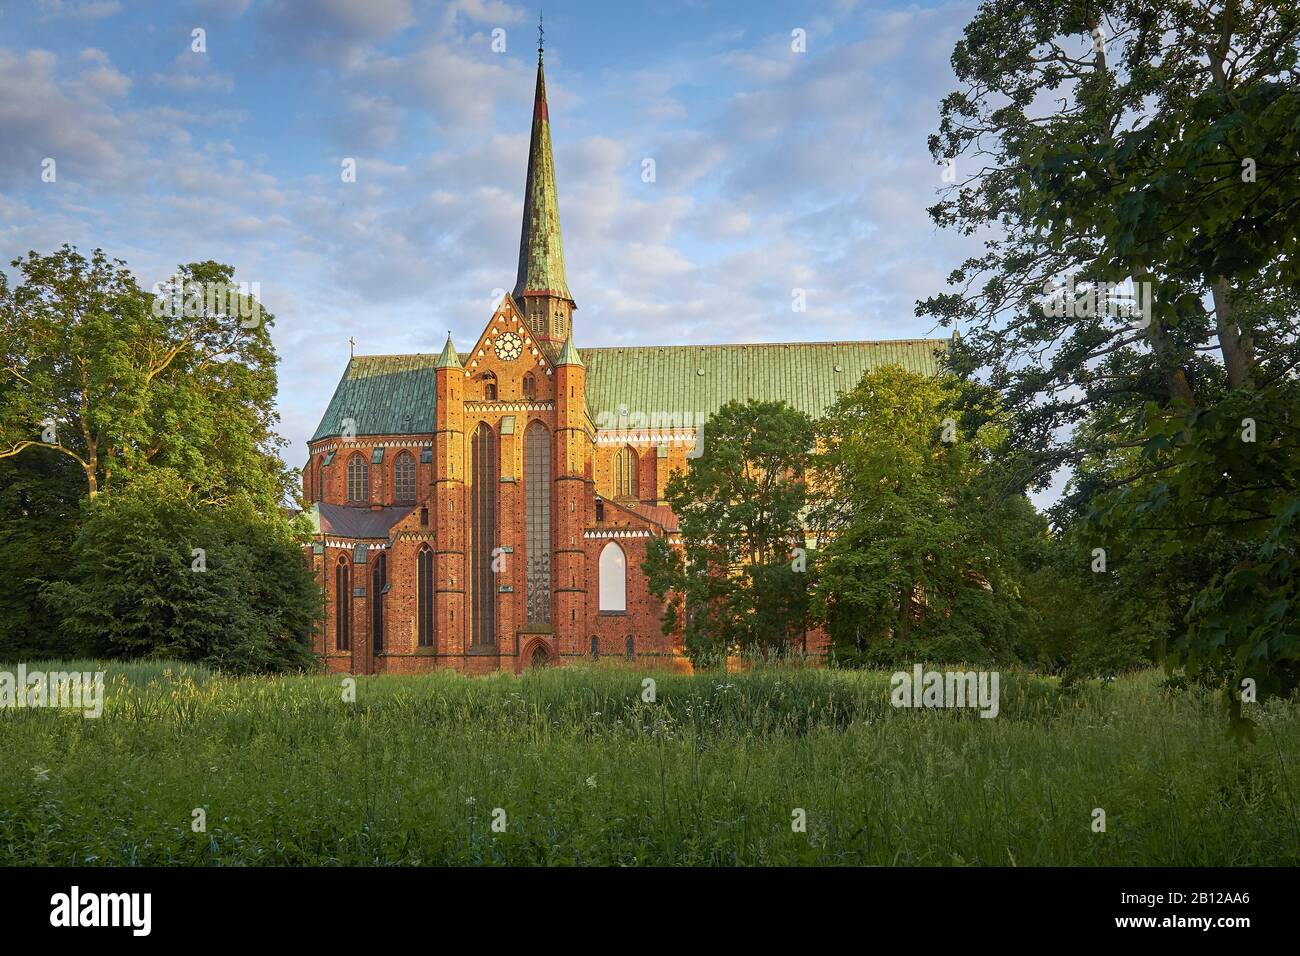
(588, 772)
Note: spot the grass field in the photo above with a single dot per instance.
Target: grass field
(586, 772)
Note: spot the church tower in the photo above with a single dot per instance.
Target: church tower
(541, 290)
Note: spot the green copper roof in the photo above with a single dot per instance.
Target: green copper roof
(700, 379)
(541, 249)
(569, 355)
(448, 358)
(394, 394)
(384, 395)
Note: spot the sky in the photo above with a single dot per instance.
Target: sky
(775, 169)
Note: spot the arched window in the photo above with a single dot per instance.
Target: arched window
(318, 476)
(342, 605)
(530, 387)
(489, 387)
(424, 596)
(378, 580)
(537, 478)
(358, 478)
(404, 477)
(625, 462)
(613, 579)
(484, 490)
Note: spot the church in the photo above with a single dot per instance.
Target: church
(489, 509)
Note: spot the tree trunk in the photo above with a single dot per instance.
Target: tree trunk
(905, 613)
(1180, 390)
(1236, 346)
(1175, 376)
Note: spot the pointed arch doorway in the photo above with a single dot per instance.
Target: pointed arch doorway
(540, 657)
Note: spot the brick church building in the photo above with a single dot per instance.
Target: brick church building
(490, 509)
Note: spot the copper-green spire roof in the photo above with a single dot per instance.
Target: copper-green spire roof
(569, 354)
(541, 249)
(448, 358)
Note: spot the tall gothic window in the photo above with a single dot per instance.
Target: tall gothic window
(404, 477)
(424, 596)
(489, 387)
(378, 579)
(342, 605)
(613, 579)
(319, 476)
(537, 475)
(483, 531)
(530, 387)
(625, 462)
(358, 478)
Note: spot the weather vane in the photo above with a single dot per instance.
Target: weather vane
(540, 34)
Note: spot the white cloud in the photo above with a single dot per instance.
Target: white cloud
(89, 10)
(193, 72)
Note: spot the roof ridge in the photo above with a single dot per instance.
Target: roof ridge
(682, 345)
(398, 355)
(756, 345)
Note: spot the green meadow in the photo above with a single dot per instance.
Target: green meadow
(713, 771)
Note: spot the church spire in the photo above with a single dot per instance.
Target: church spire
(541, 289)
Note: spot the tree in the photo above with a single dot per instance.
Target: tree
(120, 381)
(155, 572)
(39, 497)
(1224, 483)
(920, 554)
(1153, 143)
(1065, 120)
(740, 582)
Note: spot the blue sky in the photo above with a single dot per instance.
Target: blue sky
(775, 170)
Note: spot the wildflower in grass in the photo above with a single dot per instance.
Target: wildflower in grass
(591, 781)
(42, 774)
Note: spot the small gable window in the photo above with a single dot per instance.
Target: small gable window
(530, 387)
(489, 387)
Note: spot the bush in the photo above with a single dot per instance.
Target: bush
(155, 573)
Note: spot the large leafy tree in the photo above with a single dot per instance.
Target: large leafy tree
(120, 381)
(921, 553)
(1156, 143)
(1084, 140)
(740, 583)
